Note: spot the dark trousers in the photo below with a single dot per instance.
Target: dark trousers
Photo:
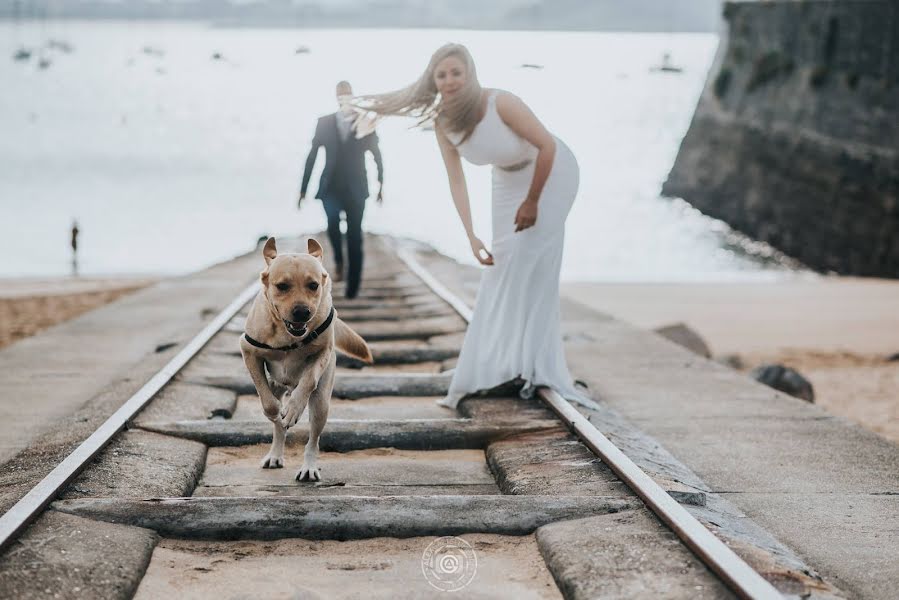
(334, 204)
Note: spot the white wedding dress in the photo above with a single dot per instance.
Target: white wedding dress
(515, 330)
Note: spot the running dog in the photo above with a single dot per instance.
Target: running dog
(289, 345)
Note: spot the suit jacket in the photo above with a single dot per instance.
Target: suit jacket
(344, 160)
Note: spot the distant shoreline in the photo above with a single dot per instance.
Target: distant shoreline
(276, 23)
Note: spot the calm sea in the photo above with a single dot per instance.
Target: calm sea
(171, 160)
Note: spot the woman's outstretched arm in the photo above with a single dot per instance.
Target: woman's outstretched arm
(516, 114)
(459, 192)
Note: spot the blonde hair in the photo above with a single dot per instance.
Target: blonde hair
(421, 100)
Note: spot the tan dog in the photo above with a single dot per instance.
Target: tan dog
(289, 348)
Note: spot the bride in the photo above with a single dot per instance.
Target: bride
(514, 332)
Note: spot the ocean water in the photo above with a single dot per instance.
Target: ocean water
(171, 161)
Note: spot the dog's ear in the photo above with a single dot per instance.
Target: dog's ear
(314, 248)
(269, 251)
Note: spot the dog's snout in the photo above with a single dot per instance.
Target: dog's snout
(301, 313)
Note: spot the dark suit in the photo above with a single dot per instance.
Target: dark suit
(343, 188)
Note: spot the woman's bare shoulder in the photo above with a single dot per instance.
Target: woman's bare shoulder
(509, 106)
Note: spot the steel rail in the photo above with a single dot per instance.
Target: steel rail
(733, 570)
(14, 521)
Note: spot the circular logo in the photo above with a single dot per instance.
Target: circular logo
(449, 563)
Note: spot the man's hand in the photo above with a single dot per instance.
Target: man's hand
(300, 201)
(381, 194)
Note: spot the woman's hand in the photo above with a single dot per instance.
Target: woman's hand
(526, 216)
(480, 251)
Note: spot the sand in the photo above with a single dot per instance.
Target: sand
(837, 331)
(28, 306)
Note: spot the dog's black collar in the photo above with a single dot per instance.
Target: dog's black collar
(313, 335)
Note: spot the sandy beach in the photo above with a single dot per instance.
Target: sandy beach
(28, 306)
(837, 331)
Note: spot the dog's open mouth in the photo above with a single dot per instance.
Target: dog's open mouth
(295, 329)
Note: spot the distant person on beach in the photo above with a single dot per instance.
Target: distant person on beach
(514, 333)
(75, 232)
(343, 187)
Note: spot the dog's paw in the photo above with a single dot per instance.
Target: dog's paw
(309, 472)
(272, 462)
(290, 416)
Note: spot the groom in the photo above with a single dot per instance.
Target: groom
(344, 183)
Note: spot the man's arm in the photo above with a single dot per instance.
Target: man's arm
(310, 160)
(372, 147)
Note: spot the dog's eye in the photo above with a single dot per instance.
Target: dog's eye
(313, 285)
(283, 287)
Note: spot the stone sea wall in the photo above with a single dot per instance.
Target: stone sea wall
(795, 140)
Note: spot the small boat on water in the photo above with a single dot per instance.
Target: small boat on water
(60, 45)
(531, 66)
(666, 66)
(153, 51)
(21, 55)
(302, 50)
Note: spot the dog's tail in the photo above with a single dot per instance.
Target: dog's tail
(351, 343)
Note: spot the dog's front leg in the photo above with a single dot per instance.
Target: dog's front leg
(271, 406)
(319, 404)
(296, 404)
(275, 457)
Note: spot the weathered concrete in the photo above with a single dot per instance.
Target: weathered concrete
(224, 342)
(364, 386)
(47, 377)
(432, 368)
(849, 538)
(377, 569)
(205, 368)
(185, 401)
(555, 463)
(623, 556)
(409, 303)
(414, 328)
(352, 315)
(738, 435)
(140, 464)
(65, 556)
(551, 463)
(28, 467)
(656, 385)
(541, 462)
(346, 435)
(384, 354)
(388, 471)
(346, 386)
(343, 517)
(386, 407)
(395, 289)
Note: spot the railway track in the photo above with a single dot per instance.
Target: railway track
(503, 498)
